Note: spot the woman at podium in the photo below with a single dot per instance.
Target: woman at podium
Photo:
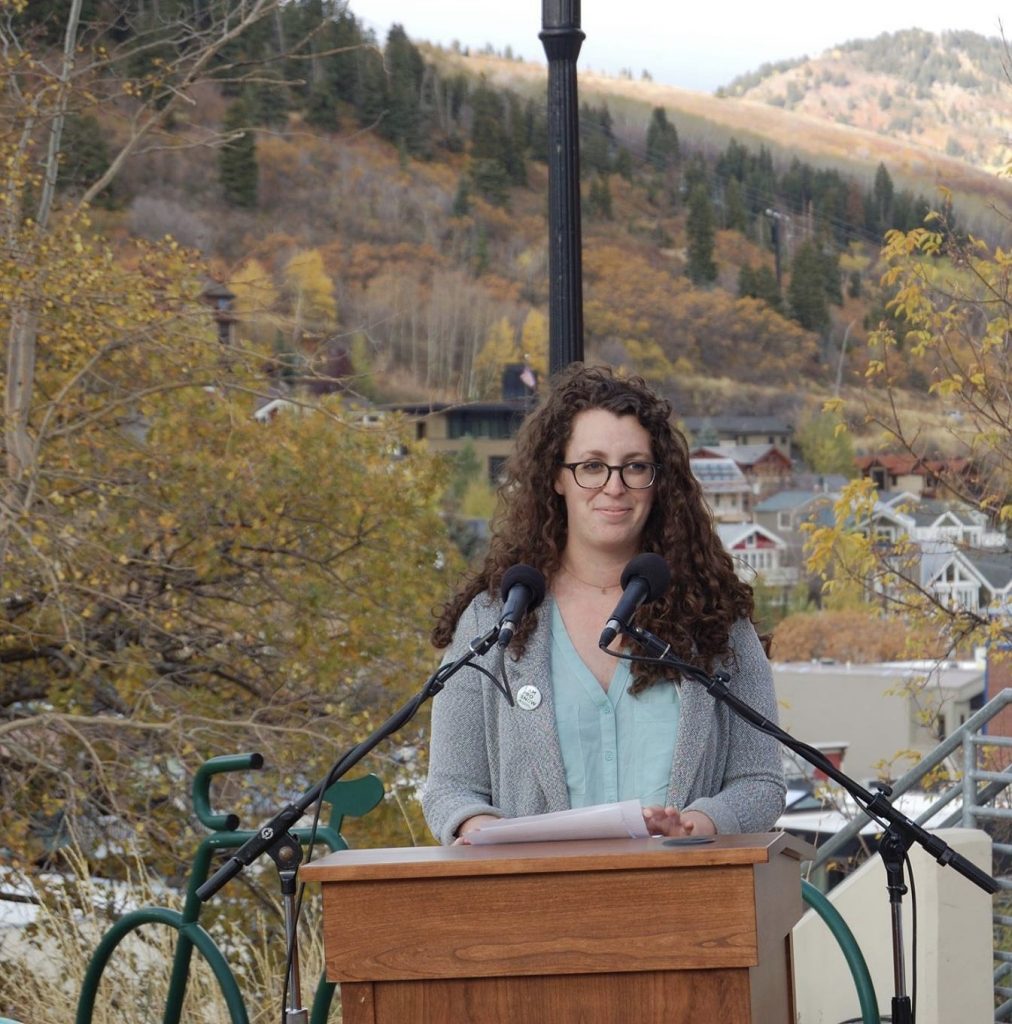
(599, 475)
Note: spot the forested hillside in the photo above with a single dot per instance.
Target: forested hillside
(380, 207)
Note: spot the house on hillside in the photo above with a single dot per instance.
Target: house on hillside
(220, 299)
(786, 513)
(739, 430)
(767, 469)
(488, 428)
(725, 488)
(758, 554)
(948, 550)
(923, 478)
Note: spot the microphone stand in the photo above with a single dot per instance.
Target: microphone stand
(900, 832)
(275, 839)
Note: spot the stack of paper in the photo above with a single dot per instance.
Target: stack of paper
(603, 821)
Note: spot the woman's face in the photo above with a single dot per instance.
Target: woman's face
(610, 518)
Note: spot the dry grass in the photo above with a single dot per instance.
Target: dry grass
(44, 963)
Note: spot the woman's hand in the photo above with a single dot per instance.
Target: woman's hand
(668, 821)
(470, 824)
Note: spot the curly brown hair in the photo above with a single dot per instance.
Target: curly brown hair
(706, 597)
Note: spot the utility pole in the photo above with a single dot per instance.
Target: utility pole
(775, 243)
(561, 36)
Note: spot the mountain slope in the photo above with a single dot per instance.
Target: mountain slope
(949, 93)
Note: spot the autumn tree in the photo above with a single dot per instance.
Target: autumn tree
(951, 301)
(310, 291)
(826, 445)
(534, 342)
(499, 349)
(177, 579)
(256, 297)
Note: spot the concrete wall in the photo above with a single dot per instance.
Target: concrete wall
(954, 942)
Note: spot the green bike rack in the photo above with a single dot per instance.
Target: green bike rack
(850, 949)
(354, 799)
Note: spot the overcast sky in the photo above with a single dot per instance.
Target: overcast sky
(690, 44)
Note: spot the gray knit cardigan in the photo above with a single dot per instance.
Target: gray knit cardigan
(488, 758)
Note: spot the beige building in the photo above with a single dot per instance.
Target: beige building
(877, 711)
(488, 428)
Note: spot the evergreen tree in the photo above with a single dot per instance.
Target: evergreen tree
(596, 141)
(491, 181)
(760, 284)
(733, 162)
(497, 159)
(321, 108)
(488, 124)
(736, 214)
(371, 95)
(402, 121)
(462, 200)
(696, 174)
(832, 281)
(537, 131)
(85, 155)
(342, 66)
(767, 288)
(623, 164)
(663, 151)
(806, 293)
(516, 143)
(268, 104)
(746, 281)
(882, 199)
(699, 227)
(599, 199)
(237, 158)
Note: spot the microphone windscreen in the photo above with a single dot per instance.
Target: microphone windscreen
(653, 570)
(530, 577)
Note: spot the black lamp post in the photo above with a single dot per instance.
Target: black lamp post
(561, 36)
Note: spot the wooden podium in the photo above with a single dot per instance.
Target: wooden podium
(564, 932)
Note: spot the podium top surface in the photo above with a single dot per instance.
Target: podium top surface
(575, 855)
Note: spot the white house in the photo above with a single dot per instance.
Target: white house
(725, 487)
(758, 553)
(948, 550)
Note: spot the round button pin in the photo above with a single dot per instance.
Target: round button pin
(528, 697)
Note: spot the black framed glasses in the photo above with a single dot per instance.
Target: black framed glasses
(594, 474)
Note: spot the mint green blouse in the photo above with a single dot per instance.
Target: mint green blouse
(615, 745)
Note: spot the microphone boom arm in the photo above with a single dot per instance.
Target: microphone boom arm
(268, 833)
(876, 806)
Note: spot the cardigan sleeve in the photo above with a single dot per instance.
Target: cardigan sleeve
(752, 792)
(459, 782)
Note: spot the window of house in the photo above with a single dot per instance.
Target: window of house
(783, 520)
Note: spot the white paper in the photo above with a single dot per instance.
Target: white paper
(602, 821)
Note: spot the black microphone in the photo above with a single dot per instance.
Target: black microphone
(644, 579)
(523, 589)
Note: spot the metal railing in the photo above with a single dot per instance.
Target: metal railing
(977, 791)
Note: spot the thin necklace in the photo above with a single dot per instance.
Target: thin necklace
(587, 583)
